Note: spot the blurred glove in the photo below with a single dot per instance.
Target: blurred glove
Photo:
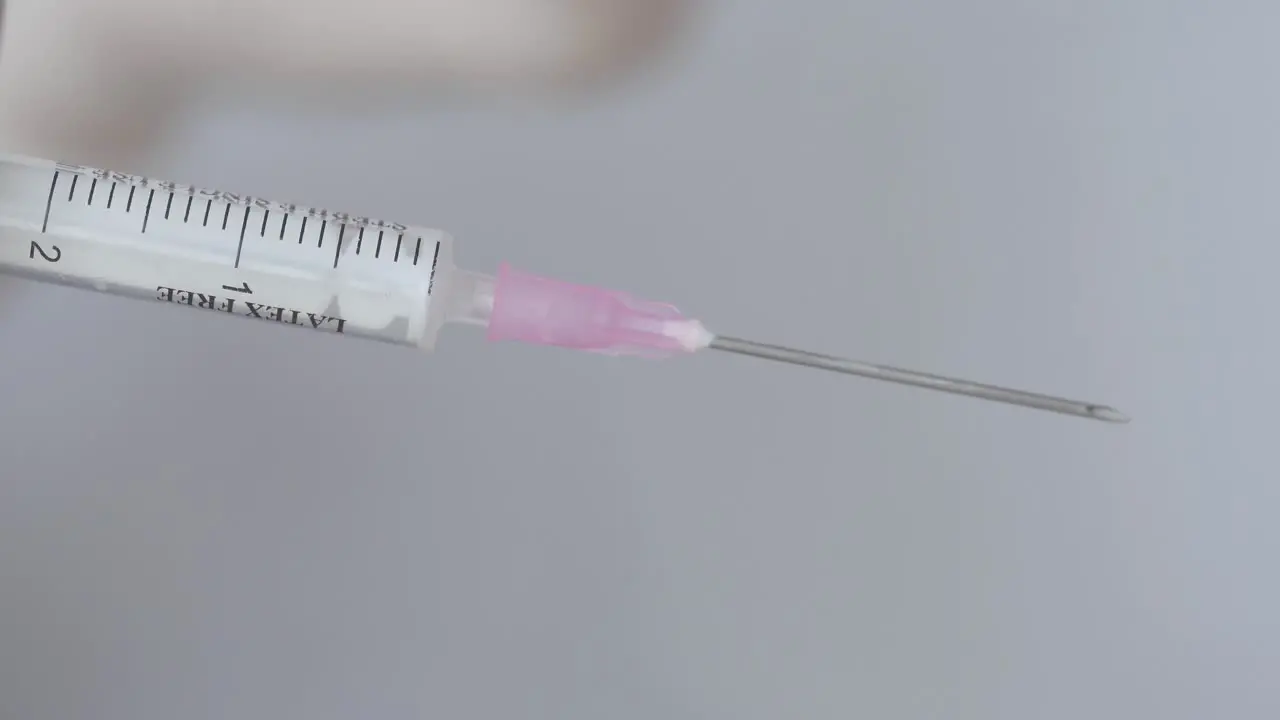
(97, 81)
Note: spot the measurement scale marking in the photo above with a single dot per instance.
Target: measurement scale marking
(48, 206)
(243, 227)
(146, 217)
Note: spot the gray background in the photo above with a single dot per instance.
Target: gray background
(207, 518)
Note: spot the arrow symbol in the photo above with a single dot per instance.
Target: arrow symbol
(244, 288)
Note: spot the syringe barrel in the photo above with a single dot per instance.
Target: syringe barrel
(229, 254)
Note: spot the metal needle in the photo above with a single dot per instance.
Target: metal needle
(923, 380)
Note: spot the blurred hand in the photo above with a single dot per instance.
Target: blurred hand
(98, 81)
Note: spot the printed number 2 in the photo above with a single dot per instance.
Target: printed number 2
(35, 248)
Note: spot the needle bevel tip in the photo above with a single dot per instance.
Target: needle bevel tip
(1109, 414)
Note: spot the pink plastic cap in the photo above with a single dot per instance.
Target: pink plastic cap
(539, 310)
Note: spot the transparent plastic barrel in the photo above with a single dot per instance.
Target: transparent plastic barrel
(221, 252)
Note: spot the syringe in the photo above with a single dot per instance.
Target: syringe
(335, 273)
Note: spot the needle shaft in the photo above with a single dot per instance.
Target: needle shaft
(917, 379)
